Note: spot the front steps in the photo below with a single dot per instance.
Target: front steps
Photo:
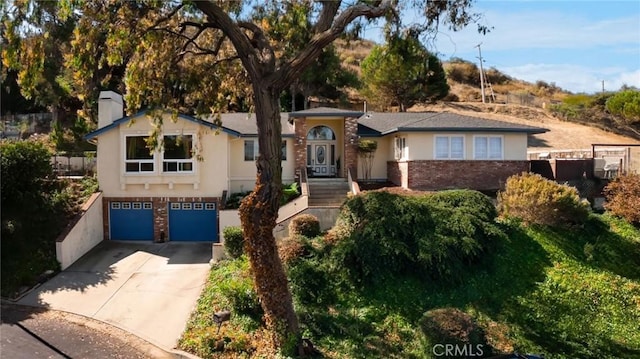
(327, 192)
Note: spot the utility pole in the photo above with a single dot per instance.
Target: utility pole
(602, 86)
(481, 72)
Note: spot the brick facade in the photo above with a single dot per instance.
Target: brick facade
(300, 143)
(438, 175)
(397, 173)
(160, 206)
(350, 147)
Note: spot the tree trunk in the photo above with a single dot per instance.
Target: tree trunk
(258, 214)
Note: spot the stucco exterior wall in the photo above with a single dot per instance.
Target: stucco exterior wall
(209, 178)
(84, 235)
(383, 154)
(421, 146)
(242, 174)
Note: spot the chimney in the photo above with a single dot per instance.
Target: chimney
(110, 108)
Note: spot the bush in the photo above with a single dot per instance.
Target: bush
(452, 326)
(535, 199)
(623, 197)
(379, 235)
(304, 225)
(233, 241)
(292, 248)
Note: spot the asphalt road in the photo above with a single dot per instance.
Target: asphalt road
(34, 333)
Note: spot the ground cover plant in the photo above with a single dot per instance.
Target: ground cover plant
(565, 292)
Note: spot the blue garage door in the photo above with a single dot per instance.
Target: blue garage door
(131, 221)
(193, 221)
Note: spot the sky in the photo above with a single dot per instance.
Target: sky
(575, 44)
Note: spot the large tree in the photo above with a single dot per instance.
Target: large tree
(402, 72)
(197, 56)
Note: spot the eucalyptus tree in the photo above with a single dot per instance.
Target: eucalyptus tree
(200, 56)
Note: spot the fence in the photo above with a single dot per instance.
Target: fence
(74, 164)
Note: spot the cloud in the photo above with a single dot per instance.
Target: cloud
(576, 78)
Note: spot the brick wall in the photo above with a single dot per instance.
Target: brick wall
(437, 175)
(300, 149)
(397, 173)
(350, 149)
(160, 212)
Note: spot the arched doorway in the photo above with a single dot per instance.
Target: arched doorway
(321, 151)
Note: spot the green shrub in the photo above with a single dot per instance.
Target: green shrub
(289, 192)
(453, 326)
(233, 241)
(535, 199)
(35, 207)
(304, 225)
(379, 235)
(237, 287)
(623, 197)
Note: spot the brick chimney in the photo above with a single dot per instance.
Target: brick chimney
(110, 108)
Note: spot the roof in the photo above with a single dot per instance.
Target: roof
(325, 112)
(386, 123)
(235, 124)
(245, 124)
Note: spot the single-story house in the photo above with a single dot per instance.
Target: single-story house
(174, 193)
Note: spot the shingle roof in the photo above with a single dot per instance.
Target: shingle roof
(325, 112)
(245, 124)
(235, 124)
(385, 123)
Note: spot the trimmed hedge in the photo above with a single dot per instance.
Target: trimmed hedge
(233, 241)
(304, 225)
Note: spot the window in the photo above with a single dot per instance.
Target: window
(209, 206)
(178, 153)
(449, 148)
(250, 150)
(138, 158)
(198, 206)
(400, 148)
(321, 133)
(487, 147)
(284, 150)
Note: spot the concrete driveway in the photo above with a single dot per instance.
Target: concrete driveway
(147, 289)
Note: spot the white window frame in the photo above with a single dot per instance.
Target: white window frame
(256, 150)
(489, 156)
(400, 148)
(138, 161)
(449, 154)
(180, 162)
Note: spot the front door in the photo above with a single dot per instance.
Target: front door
(321, 158)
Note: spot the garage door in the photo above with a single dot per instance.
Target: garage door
(131, 221)
(193, 221)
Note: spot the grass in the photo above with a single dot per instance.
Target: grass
(564, 293)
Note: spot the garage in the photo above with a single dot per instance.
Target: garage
(193, 221)
(132, 221)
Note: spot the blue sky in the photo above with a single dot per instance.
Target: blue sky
(575, 43)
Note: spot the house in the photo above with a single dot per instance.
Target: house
(174, 193)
